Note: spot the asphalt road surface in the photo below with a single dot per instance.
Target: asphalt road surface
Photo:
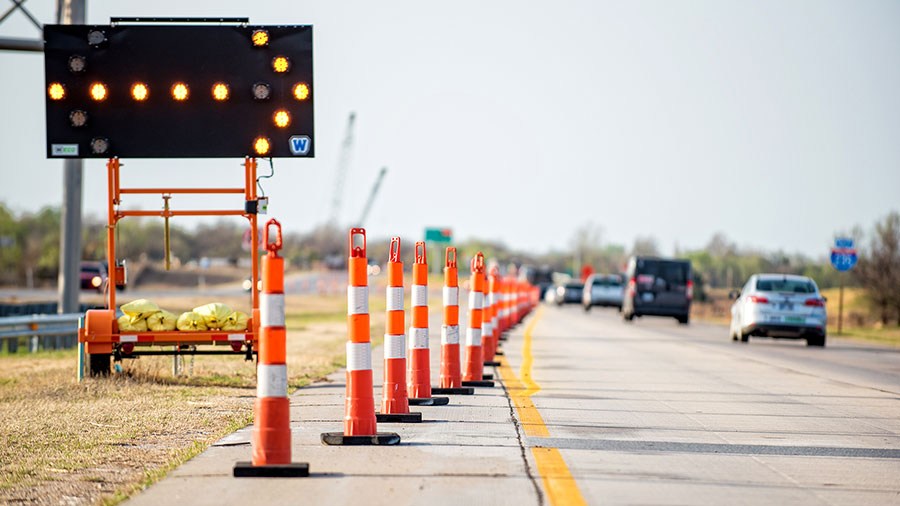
(594, 410)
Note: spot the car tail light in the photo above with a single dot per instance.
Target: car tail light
(689, 290)
(756, 299)
(815, 302)
(632, 284)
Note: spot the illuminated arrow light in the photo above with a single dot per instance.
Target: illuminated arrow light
(260, 38)
(99, 145)
(281, 64)
(77, 64)
(261, 91)
(139, 92)
(220, 91)
(56, 91)
(180, 92)
(282, 118)
(261, 145)
(301, 91)
(78, 118)
(98, 91)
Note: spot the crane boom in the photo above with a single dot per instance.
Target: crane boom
(372, 195)
(341, 172)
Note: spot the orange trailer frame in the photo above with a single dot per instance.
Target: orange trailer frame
(99, 333)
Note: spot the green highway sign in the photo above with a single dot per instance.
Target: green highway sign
(438, 235)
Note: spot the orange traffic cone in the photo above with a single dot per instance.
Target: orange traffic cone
(394, 401)
(271, 435)
(359, 408)
(493, 325)
(451, 376)
(418, 381)
(474, 361)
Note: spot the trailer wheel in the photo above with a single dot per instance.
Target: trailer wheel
(99, 363)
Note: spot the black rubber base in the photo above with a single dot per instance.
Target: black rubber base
(429, 401)
(478, 383)
(503, 338)
(398, 417)
(492, 363)
(487, 376)
(339, 439)
(499, 352)
(248, 470)
(453, 391)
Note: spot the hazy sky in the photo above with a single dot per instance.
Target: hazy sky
(776, 122)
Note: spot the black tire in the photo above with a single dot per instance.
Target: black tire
(816, 341)
(734, 336)
(744, 338)
(683, 320)
(628, 316)
(99, 364)
(587, 308)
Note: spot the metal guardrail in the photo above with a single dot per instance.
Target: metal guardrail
(47, 331)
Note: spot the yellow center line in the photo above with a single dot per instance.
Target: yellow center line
(559, 484)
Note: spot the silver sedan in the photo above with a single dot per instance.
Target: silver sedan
(780, 306)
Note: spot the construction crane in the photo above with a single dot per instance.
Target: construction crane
(372, 195)
(341, 173)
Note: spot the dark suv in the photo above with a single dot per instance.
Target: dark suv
(658, 287)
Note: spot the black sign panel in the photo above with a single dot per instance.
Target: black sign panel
(170, 91)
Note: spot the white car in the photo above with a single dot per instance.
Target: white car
(603, 290)
(779, 305)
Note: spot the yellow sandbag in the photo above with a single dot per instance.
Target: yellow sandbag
(126, 325)
(191, 321)
(162, 321)
(139, 309)
(236, 321)
(214, 314)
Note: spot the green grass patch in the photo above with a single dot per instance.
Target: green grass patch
(886, 335)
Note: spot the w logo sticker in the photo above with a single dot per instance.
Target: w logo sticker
(300, 145)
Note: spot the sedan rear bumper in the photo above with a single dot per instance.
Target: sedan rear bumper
(783, 330)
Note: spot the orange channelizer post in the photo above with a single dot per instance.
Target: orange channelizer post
(418, 379)
(474, 370)
(394, 400)
(451, 373)
(514, 302)
(493, 320)
(487, 330)
(359, 408)
(271, 435)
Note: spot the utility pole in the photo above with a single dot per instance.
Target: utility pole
(69, 12)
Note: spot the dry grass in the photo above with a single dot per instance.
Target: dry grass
(98, 441)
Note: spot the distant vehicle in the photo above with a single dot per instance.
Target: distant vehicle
(537, 276)
(93, 276)
(780, 306)
(569, 293)
(550, 295)
(658, 287)
(602, 290)
(248, 284)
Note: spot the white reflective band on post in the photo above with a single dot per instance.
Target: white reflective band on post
(271, 309)
(395, 298)
(476, 299)
(395, 346)
(492, 298)
(486, 328)
(127, 339)
(271, 380)
(451, 295)
(495, 323)
(359, 356)
(419, 295)
(235, 337)
(418, 338)
(357, 300)
(473, 337)
(504, 312)
(450, 334)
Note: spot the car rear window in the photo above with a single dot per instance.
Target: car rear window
(90, 270)
(608, 282)
(785, 285)
(671, 272)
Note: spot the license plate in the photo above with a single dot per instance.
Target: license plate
(794, 319)
(647, 296)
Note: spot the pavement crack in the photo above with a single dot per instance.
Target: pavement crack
(522, 451)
